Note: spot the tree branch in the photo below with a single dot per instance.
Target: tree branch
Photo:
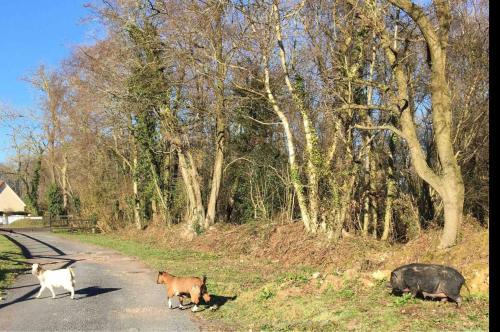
(365, 107)
(383, 127)
(418, 15)
(261, 122)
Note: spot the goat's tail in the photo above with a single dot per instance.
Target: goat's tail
(203, 287)
(72, 273)
(204, 291)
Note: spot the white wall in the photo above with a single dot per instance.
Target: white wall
(14, 217)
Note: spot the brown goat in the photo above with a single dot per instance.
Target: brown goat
(193, 287)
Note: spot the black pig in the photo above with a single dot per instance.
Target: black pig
(430, 280)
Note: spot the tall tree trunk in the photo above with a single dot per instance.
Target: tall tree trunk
(133, 171)
(217, 175)
(64, 179)
(345, 204)
(453, 206)
(51, 127)
(162, 210)
(195, 210)
(294, 170)
(373, 197)
(371, 164)
(196, 213)
(333, 215)
(220, 120)
(366, 215)
(310, 134)
(135, 186)
(390, 192)
(52, 159)
(366, 184)
(450, 185)
(312, 171)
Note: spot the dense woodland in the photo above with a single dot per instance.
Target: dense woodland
(366, 117)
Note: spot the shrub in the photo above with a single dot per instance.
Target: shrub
(54, 201)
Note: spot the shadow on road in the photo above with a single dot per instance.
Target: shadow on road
(57, 250)
(25, 252)
(93, 291)
(83, 293)
(32, 285)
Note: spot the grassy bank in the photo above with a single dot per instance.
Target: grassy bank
(269, 294)
(11, 262)
(27, 223)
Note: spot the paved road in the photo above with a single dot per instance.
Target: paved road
(113, 292)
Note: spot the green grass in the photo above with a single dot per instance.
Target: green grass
(26, 223)
(271, 297)
(10, 262)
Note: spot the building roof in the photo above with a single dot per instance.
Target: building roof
(9, 201)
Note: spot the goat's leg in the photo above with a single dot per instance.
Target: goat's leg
(170, 303)
(195, 298)
(51, 289)
(42, 287)
(181, 306)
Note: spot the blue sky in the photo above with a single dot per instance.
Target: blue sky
(35, 32)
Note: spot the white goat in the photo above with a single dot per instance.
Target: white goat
(54, 278)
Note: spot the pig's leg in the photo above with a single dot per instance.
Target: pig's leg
(457, 299)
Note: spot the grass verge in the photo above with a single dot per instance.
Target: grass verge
(27, 223)
(268, 296)
(11, 262)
